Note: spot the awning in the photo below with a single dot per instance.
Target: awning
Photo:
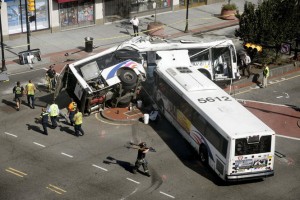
(64, 1)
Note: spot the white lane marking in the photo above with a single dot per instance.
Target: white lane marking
(167, 194)
(99, 167)
(39, 144)
(10, 134)
(66, 154)
(133, 180)
(288, 137)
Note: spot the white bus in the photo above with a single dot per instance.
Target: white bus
(228, 137)
(216, 59)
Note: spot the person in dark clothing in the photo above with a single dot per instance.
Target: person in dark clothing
(50, 74)
(18, 90)
(44, 120)
(141, 158)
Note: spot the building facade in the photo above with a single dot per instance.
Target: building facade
(60, 15)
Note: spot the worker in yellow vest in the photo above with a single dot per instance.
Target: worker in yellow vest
(30, 91)
(78, 123)
(53, 113)
(72, 109)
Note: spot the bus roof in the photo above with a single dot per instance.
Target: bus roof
(223, 111)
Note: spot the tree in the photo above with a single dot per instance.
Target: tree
(270, 23)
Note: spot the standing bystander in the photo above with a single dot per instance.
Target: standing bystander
(53, 112)
(246, 60)
(18, 91)
(135, 23)
(72, 109)
(44, 120)
(266, 73)
(78, 123)
(50, 75)
(30, 91)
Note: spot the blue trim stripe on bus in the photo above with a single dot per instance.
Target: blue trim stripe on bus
(207, 146)
(127, 63)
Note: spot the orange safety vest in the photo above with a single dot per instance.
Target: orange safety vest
(72, 106)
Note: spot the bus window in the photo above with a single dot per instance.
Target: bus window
(221, 60)
(203, 56)
(242, 147)
(216, 139)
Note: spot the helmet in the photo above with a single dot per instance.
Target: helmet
(143, 144)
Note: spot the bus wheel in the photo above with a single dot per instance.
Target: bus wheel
(128, 77)
(203, 155)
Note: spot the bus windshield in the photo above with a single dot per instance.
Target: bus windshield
(244, 147)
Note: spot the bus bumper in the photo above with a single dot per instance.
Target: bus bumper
(249, 176)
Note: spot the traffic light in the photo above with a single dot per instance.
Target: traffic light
(251, 46)
(31, 5)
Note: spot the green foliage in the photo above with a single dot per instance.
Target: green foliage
(270, 23)
(229, 6)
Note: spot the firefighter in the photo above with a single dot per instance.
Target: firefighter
(18, 91)
(141, 159)
(72, 109)
(30, 91)
(44, 120)
(78, 123)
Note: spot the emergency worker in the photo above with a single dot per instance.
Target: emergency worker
(78, 123)
(53, 112)
(72, 109)
(266, 73)
(30, 91)
(50, 76)
(18, 91)
(44, 120)
(141, 159)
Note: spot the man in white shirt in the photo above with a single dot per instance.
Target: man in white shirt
(246, 60)
(135, 23)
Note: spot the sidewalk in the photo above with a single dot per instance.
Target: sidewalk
(53, 46)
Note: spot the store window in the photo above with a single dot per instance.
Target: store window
(16, 15)
(76, 14)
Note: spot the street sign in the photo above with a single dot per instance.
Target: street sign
(285, 48)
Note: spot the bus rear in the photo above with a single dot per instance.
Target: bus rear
(251, 157)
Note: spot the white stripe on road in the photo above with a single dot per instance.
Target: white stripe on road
(39, 144)
(10, 134)
(99, 167)
(133, 180)
(288, 137)
(66, 154)
(167, 194)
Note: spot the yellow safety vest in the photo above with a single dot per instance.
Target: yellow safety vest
(54, 111)
(30, 88)
(78, 118)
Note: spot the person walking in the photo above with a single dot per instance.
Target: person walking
(141, 159)
(53, 112)
(18, 90)
(72, 109)
(78, 123)
(50, 76)
(135, 24)
(30, 91)
(266, 73)
(44, 120)
(246, 60)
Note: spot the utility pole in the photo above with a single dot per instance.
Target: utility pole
(27, 26)
(187, 17)
(2, 46)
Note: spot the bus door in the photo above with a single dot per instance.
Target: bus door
(221, 61)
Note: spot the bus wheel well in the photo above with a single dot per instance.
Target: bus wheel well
(205, 72)
(203, 154)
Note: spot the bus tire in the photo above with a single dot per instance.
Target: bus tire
(203, 155)
(128, 77)
(205, 73)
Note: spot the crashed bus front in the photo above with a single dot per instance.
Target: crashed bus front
(111, 78)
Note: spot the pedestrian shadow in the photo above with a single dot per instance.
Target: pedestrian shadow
(9, 103)
(66, 129)
(34, 128)
(126, 165)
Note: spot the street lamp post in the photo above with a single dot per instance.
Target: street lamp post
(154, 6)
(2, 46)
(187, 17)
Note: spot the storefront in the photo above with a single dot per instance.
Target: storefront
(76, 13)
(123, 9)
(193, 3)
(16, 16)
